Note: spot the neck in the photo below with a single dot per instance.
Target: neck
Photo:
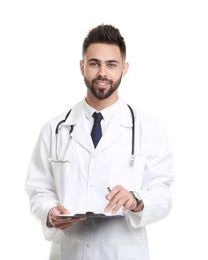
(100, 104)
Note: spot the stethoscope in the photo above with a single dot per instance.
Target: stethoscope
(58, 160)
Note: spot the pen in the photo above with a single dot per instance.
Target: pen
(109, 189)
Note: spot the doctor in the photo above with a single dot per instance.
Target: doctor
(69, 175)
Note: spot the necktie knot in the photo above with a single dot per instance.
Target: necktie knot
(97, 117)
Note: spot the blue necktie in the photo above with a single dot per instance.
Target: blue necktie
(96, 130)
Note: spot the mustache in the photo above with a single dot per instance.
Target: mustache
(102, 79)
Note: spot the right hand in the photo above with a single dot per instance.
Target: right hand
(59, 222)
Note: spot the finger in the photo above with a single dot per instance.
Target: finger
(119, 204)
(111, 204)
(127, 205)
(62, 209)
(112, 193)
(61, 223)
(69, 224)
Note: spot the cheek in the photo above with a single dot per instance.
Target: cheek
(90, 74)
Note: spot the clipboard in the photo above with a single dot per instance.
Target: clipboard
(90, 214)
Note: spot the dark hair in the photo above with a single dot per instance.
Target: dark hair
(105, 34)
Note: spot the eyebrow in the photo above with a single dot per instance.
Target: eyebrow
(107, 61)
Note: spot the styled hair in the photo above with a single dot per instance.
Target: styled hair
(105, 34)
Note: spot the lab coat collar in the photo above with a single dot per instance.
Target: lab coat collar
(122, 112)
(113, 132)
(106, 113)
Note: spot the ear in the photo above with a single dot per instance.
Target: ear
(125, 68)
(81, 64)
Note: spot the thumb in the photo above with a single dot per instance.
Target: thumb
(62, 209)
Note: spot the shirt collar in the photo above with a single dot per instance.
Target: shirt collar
(106, 113)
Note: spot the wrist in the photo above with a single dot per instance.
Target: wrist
(49, 222)
(139, 203)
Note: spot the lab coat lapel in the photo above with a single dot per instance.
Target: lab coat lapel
(114, 131)
(82, 135)
(111, 135)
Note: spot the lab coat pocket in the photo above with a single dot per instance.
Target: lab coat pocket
(131, 253)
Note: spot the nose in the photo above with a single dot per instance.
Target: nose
(102, 71)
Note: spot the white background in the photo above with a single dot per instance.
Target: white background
(167, 48)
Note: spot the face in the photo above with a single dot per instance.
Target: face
(103, 69)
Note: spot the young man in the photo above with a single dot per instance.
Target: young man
(126, 176)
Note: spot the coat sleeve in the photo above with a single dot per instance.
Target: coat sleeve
(157, 176)
(39, 184)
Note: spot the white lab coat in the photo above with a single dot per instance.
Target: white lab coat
(81, 184)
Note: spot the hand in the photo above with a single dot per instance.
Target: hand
(120, 197)
(58, 222)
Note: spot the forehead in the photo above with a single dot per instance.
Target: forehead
(103, 52)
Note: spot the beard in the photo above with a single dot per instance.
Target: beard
(102, 93)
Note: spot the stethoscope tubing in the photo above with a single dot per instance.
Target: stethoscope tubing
(71, 129)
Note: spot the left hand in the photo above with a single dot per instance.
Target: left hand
(119, 197)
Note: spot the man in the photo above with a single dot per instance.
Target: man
(127, 182)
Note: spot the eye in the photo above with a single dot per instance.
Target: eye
(112, 65)
(94, 64)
